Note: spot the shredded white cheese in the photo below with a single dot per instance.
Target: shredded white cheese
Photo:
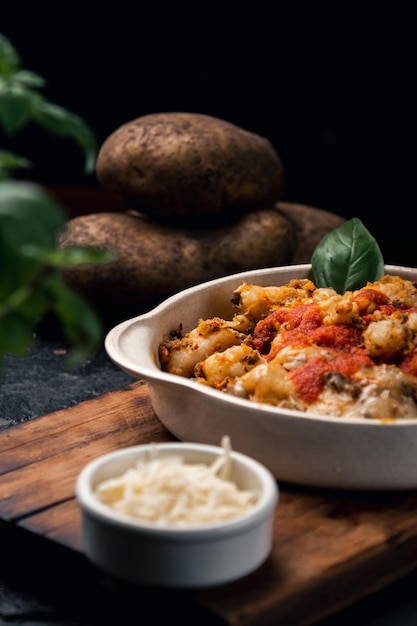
(168, 491)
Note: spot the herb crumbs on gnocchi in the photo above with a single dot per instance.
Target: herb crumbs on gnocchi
(309, 348)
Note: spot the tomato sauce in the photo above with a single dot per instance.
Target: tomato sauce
(309, 379)
(302, 326)
(296, 323)
(409, 364)
(339, 336)
(368, 300)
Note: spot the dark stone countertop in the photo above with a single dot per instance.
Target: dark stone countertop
(41, 383)
(45, 584)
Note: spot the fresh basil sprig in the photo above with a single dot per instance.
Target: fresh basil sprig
(32, 283)
(22, 104)
(31, 279)
(347, 258)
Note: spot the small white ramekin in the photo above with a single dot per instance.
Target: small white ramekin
(150, 554)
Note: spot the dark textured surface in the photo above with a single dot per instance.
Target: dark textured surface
(42, 383)
(44, 584)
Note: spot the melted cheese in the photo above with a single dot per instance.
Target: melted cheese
(311, 349)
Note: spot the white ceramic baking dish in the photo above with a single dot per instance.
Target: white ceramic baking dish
(320, 451)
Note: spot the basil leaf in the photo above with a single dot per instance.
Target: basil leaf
(29, 79)
(347, 258)
(9, 57)
(16, 335)
(31, 277)
(60, 121)
(32, 268)
(15, 108)
(21, 104)
(11, 161)
(37, 215)
(81, 325)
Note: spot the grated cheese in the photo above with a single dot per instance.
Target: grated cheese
(169, 491)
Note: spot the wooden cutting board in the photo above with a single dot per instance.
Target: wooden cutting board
(330, 549)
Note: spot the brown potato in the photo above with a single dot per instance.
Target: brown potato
(188, 166)
(311, 224)
(154, 260)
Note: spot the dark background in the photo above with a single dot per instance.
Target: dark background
(332, 89)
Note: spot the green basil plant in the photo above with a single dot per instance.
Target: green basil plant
(31, 267)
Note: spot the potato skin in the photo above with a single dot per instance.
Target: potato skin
(179, 166)
(155, 260)
(312, 224)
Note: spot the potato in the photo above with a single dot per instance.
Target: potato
(311, 225)
(155, 260)
(186, 166)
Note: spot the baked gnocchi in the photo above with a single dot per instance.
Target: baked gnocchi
(307, 348)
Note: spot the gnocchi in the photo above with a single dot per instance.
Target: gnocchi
(310, 349)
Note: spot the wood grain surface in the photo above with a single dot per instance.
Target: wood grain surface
(330, 548)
